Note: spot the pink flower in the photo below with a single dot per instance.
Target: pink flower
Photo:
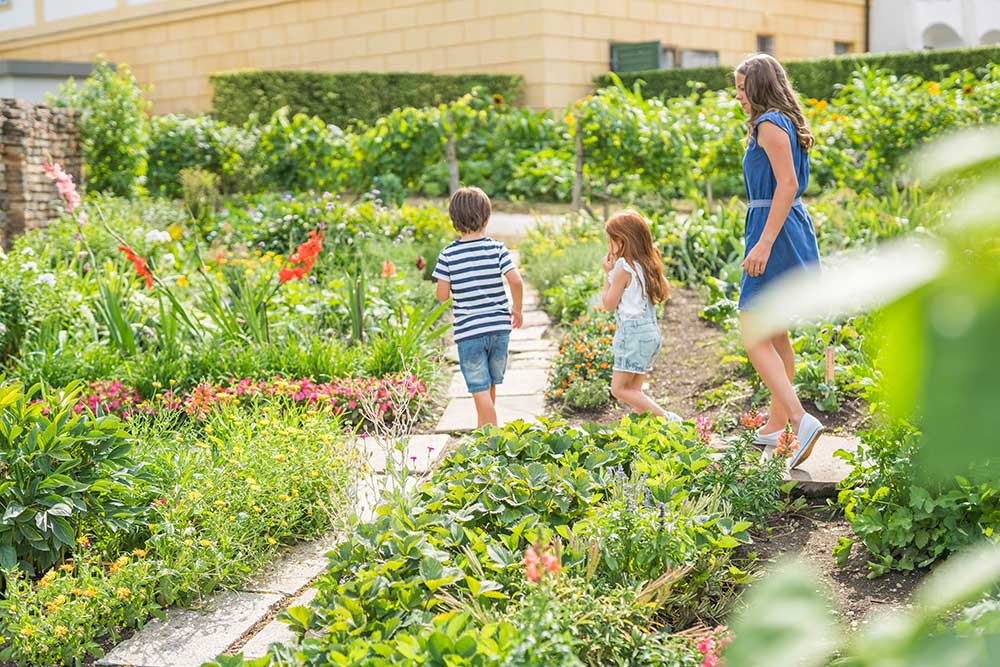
(551, 563)
(704, 427)
(67, 190)
(706, 645)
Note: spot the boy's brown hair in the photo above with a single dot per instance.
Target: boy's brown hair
(469, 210)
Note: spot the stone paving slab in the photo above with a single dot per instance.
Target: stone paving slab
(528, 333)
(299, 565)
(518, 363)
(535, 318)
(819, 475)
(518, 381)
(534, 345)
(188, 637)
(460, 415)
(275, 632)
(420, 454)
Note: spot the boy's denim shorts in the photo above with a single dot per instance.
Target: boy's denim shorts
(483, 360)
(636, 344)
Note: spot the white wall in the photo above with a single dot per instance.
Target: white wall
(910, 25)
(20, 14)
(32, 89)
(62, 9)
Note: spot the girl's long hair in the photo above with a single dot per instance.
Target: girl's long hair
(631, 231)
(768, 89)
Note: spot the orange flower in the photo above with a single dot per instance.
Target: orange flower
(388, 269)
(140, 264)
(934, 88)
(305, 255)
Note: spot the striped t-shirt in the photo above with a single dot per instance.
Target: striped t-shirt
(475, 270)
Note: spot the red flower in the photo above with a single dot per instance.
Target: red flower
(305, 255)
(421, 263)
(140, 264)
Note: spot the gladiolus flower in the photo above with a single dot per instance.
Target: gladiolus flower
(304, 256)
(140, 264)
(704, 427)
(67, 190)
(787, 444)
(752, 420)
(388, 269)
(551, 563)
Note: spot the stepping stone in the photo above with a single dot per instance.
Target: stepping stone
(299, 565)
(419, 455)
(519, 363)
(534, 345)
(460, 415)
(819, 475)
(517, 382)
(528, 333)
(535, 318)
(189, 637)
(275, 632)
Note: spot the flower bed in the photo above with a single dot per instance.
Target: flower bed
(536, 545)
(156, 511)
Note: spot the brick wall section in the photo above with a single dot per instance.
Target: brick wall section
(30, 134)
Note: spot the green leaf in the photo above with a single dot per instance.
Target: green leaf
(63, 530)
(961, 579)
(8, 557)
(785, 622)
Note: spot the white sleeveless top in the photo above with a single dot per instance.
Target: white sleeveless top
(634, 300)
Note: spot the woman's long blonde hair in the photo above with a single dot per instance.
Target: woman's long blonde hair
(631, 232)
(767, 88)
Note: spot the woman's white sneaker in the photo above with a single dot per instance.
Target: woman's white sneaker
(767, 439)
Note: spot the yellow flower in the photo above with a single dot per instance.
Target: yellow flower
(280, 457)
(182, 281)
(175, 231)
(27, 631)
(60, 630)
(47, 579)
(89, 593)
(151, 526)
(56, 602)
(118, 564)
(220, 503)
(188, 542)
(66, 567)
(77, 591)
(205, 543)
(139, 553)
(194, 495)
(271, 540)
(283, 498)
(83, 541)
(122, 592)
(933, 88)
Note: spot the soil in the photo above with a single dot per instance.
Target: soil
(812, 533)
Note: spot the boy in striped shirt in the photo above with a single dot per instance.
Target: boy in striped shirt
(471, 271)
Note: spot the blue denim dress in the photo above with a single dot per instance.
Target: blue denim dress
(795, 245)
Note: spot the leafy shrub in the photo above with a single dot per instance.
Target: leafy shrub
(179, 142)
(572, 297)
(346, 98)
(64, 472)
(701, 244)
(220, 498)
(904, 521)
(200, 190)
(814, 78)
(114, 129)
(584, 364)
(553, 251)
(299, 153)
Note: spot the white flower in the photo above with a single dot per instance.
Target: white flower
(3, 329)
(3, 256)
(46, 279)
(157, 236)
(30, 266)
(167, 261)
(28, 252)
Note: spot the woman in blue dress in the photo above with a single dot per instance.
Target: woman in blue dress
(779, 232)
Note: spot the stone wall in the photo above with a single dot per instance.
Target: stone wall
(30, 135)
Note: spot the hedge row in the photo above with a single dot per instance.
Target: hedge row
(349, 98)
(814, 78)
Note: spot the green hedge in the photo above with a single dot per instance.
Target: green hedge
(346, 99)
(814, 78)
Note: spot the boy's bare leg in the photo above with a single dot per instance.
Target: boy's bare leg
(486, 412)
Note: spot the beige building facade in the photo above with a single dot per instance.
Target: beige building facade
(557, 45)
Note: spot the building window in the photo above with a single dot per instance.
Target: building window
(765, 44)
(841, 48)
(695, 58)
